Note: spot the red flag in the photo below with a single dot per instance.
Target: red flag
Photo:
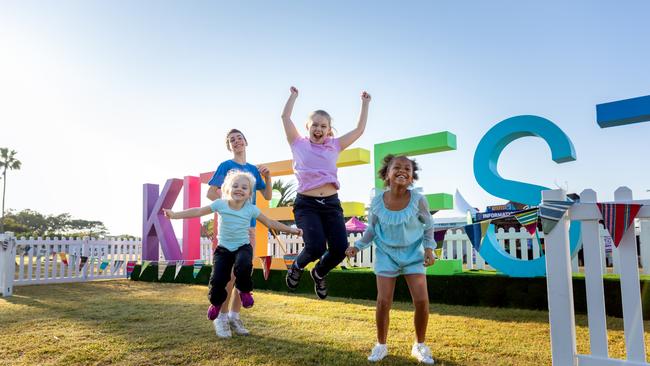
(618, 217)
(266, 266)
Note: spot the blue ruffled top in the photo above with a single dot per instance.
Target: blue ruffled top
(412, 225)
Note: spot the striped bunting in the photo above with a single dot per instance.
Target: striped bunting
(103, 265)
(617, 218)
(197, 267)
(551, 212)
(528, 219)
(289, 259)
(117, 265)
(130, 265)
(476, 232)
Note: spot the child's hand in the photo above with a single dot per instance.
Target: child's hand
(294, 91)
(296, 231)
(429, 257)
(264, 171)
(365, 97)
(351, 251)
(169, 213)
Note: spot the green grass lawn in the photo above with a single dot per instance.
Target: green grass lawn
(143, 323)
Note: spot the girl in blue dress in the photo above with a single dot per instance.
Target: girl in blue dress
(400, 225)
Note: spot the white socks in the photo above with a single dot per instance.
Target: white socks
(223, 316)
(232, 315)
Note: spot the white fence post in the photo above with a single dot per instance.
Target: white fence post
(588, 213)
(630, 288)
(7, 263)
(560, 288)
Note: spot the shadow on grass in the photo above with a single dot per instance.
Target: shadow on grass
(164, 330)
(500, 314)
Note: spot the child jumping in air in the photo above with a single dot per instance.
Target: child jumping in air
(400, 225)
(317, 208)
(235, 213)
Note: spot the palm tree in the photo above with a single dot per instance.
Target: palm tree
(287, 192)
(7, 161)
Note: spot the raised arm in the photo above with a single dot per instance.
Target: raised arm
(186, 214)
(266, 173)
(289, 127)
(352, 136)
(272, 224)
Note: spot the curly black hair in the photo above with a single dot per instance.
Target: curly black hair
(388, 160)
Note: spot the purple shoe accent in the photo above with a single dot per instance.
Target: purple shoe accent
(213, 312)
(246, 299)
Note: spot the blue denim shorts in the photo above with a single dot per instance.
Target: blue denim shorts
(395, 261)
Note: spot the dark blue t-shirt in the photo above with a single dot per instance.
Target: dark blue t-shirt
(228, 165)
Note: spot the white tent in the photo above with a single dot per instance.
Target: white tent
(456, 216)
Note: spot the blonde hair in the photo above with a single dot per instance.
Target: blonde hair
(324, 114)
(231, 177)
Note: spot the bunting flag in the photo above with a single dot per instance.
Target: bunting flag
(528, 219)
(197, 268)
(64, 258)
(551, 212)
(289, 259)
(82, 262)
(145, 264)
(26, 249)
(266, 266)
(116, 266)
(161, 269)
(439, 236)
(617, 218)
(476, 232)
(179, 265)
(103, 265)
(130, 265)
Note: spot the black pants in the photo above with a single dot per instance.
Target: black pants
(321, 220)
(242, 259)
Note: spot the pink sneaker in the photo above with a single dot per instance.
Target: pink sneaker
(246, 299)
(213, 312)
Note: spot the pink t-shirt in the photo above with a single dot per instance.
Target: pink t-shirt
(315, 164)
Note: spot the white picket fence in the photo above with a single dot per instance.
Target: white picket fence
(560, 285)
(518, 243)
(39, 265)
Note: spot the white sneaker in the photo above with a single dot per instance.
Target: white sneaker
(379, 351)
(238, 327)
(422, 353)
(222, 328)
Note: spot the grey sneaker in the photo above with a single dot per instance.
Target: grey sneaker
(293, 277)
(379, 351)
(320, 286)
(238, 327)
(422, 353)
(222, 328)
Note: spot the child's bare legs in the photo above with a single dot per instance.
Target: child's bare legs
(232, 303)
(385, 291)
(418, 287)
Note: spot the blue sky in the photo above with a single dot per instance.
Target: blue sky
(101, 97)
